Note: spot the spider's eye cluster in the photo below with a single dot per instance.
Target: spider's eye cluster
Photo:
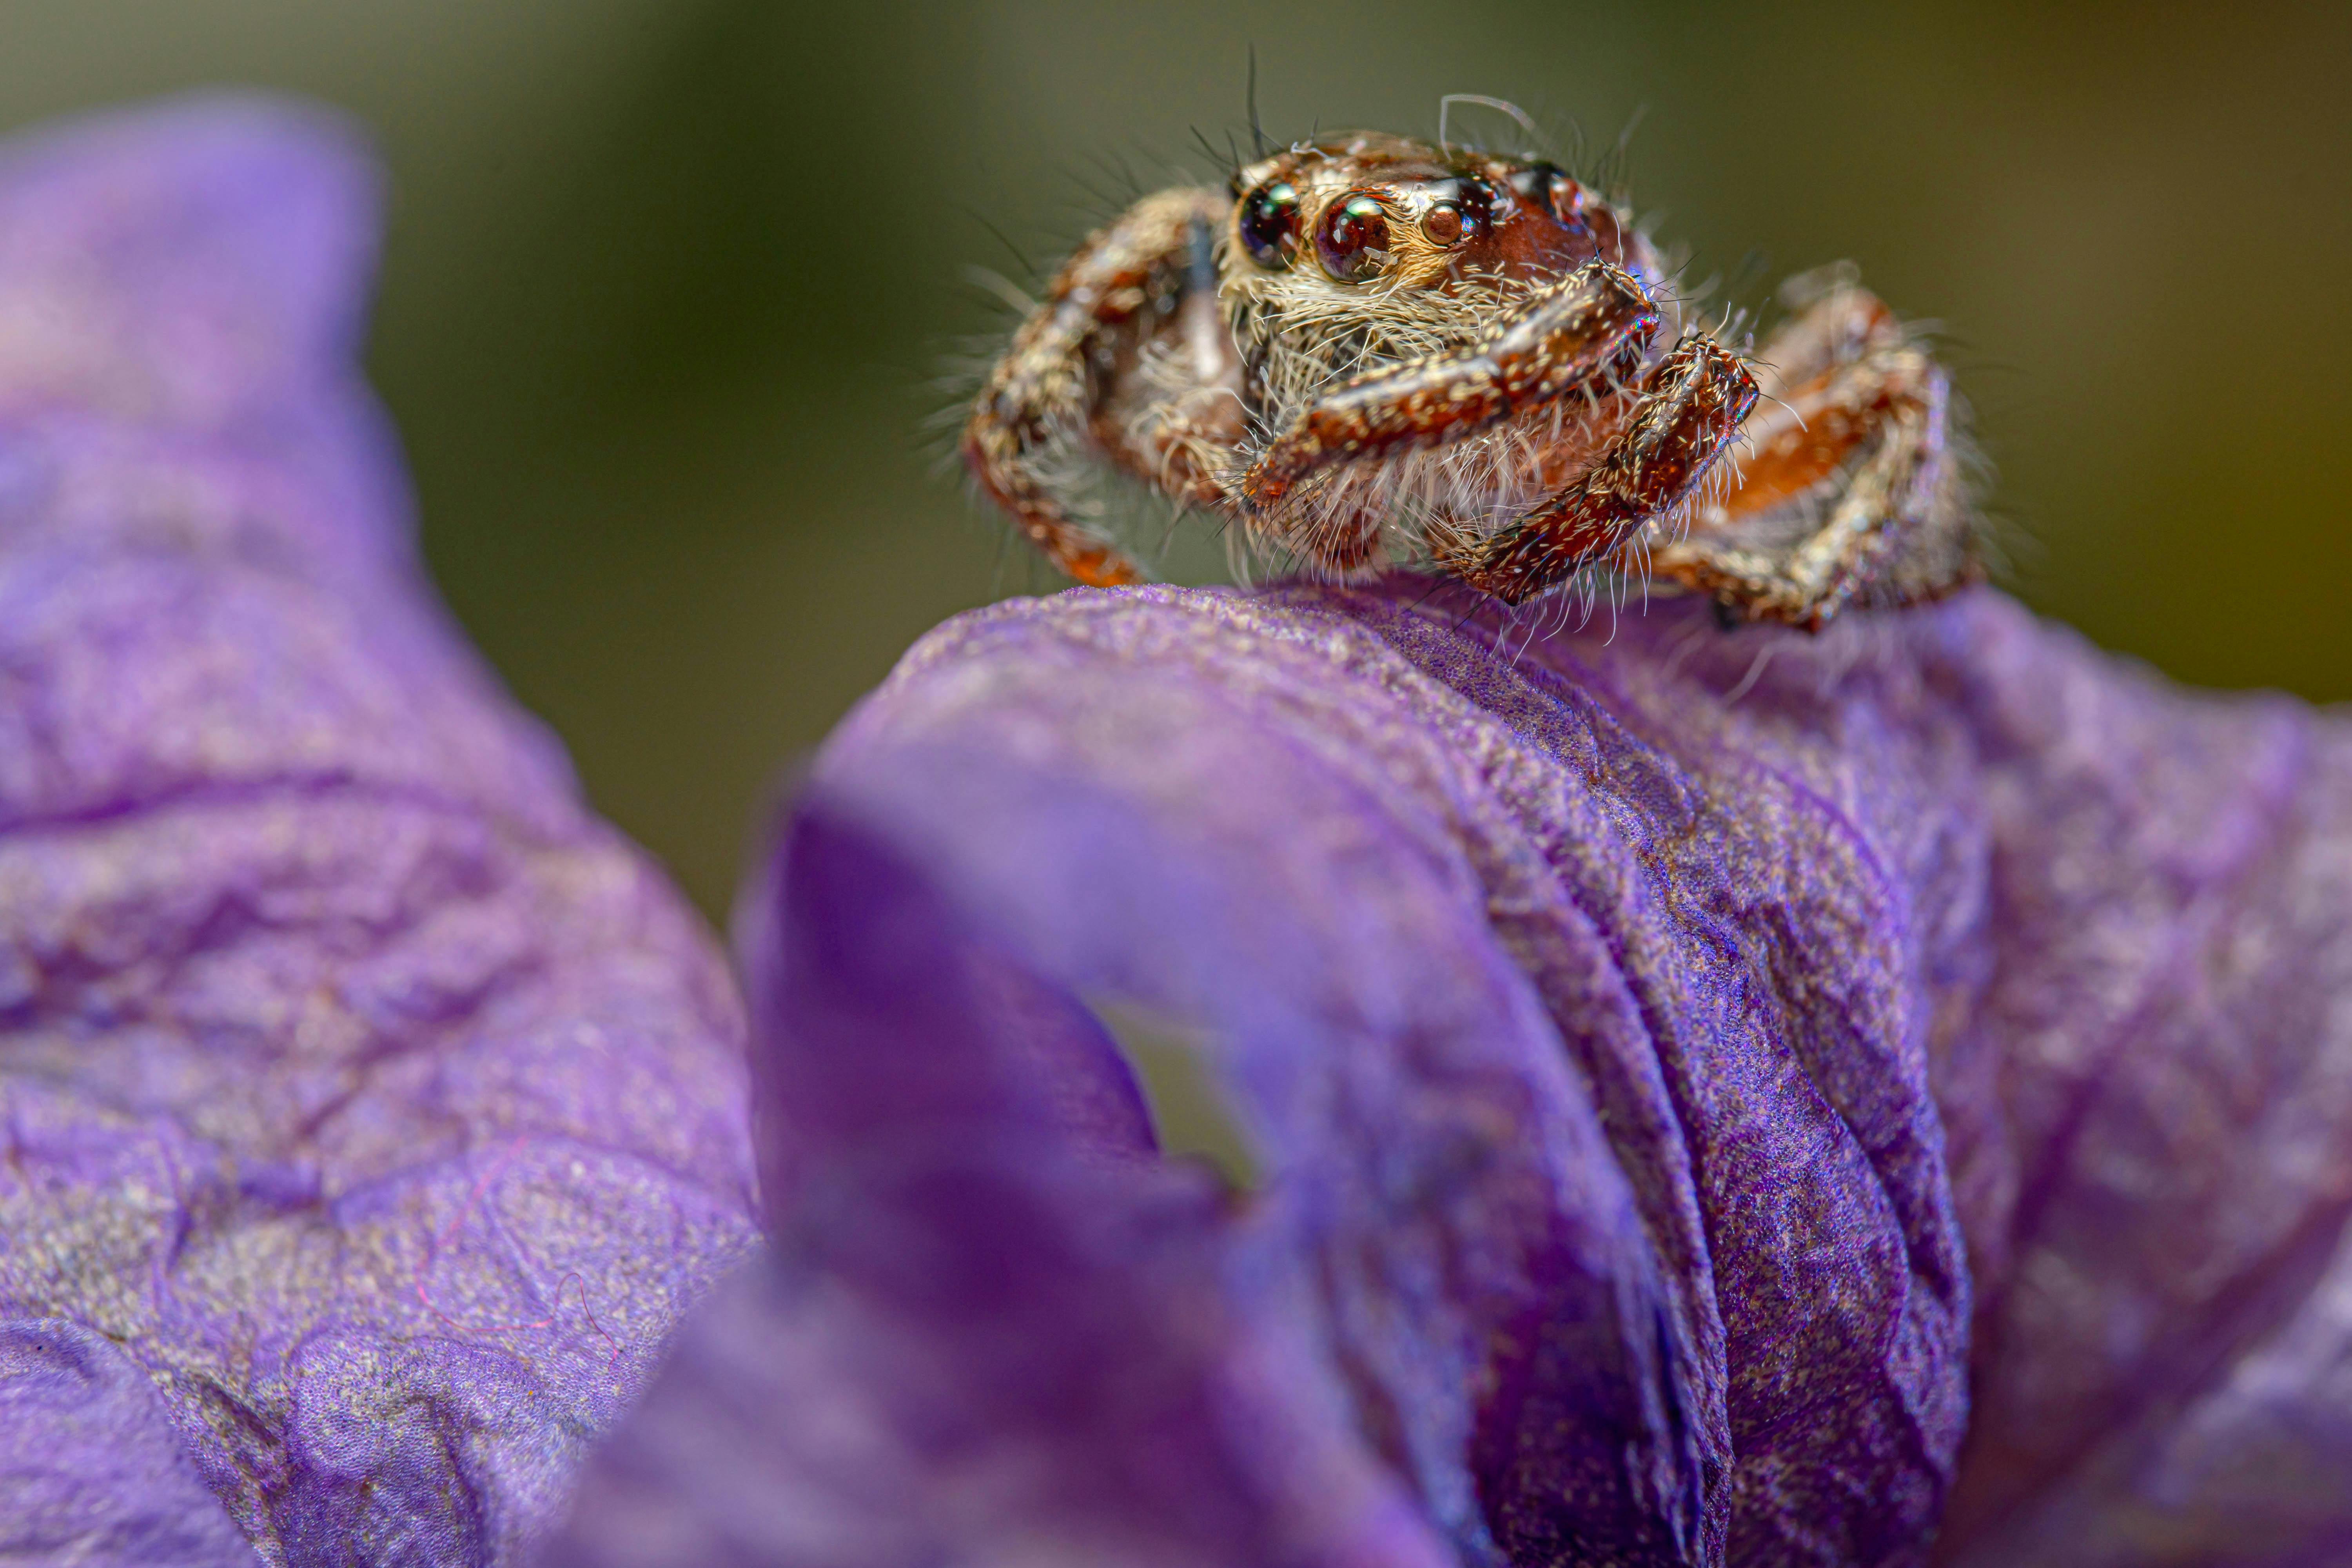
(1352, 240)
(1269, 225)
(1463, 213)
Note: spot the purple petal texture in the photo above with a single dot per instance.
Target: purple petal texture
(1681, 1066)
(370, 1111)
(1715, 1098)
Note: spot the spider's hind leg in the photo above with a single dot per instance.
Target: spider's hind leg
(1853, 493)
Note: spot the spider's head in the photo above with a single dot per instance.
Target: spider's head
(1367, 210)
(1364, 246)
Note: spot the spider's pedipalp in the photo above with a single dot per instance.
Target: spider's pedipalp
(1556, 340)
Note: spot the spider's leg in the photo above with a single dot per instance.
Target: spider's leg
(1174, 406)
(1597, 321)
(1690, 410)
(1034, 415)
(1854, 491)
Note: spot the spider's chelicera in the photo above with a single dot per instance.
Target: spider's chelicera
(1371, 350)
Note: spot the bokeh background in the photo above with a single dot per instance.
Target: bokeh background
(667, 282)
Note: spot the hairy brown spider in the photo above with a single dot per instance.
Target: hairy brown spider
(1373, 349)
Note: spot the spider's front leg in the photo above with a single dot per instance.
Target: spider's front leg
(1136, 303)
(1854, 491)
(1691, 408)
(1596, 322)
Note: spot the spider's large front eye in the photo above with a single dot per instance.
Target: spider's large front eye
(1353, 237)
(1269, 225)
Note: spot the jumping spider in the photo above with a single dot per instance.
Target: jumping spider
(1372, 348)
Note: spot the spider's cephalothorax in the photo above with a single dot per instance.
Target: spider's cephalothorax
(1371, 349)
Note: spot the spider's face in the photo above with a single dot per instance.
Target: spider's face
(1365, 210)
(1366, 247)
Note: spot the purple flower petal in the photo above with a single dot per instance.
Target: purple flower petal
(372, 1112)
(94, 1471)
(1649, 1041)
(2158, 1212)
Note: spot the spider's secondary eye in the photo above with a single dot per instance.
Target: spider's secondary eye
(1353, 238)
(1269, 225)
(1544, 187)
(1463, 214)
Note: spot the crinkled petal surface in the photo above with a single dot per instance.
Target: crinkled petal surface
(1678, 1064)
(370, 1111)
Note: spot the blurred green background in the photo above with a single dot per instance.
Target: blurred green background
(667, 280)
